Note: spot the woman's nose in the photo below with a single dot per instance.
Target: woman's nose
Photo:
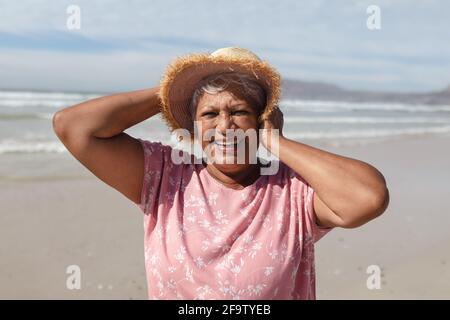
(225, 122)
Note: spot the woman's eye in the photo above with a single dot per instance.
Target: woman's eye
(240, 112)
(209, 114)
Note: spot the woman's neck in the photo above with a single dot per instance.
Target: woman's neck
(238, 180)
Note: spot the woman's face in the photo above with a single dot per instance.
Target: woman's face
(228, 130)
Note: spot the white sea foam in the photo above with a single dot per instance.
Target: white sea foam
(30, 95)
(35, 144)
(14, 146)
(60, 99)
(335, 106)
(392, 120)
(334, 122)
(25, 116)
(369, 133)
(15, 99)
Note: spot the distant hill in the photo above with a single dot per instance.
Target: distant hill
(296, 89)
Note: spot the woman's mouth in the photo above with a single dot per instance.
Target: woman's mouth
(226, 146)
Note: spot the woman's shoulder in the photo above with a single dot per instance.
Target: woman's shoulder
(151, 147)
(174, 155)
(283, 172)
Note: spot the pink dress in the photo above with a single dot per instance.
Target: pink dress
(204, 240)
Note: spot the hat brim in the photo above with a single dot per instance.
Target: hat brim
(182, 75)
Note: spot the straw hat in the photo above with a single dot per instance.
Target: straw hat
(183, 74)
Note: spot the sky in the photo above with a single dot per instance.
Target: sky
(126, 45)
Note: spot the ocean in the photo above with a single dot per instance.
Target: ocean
(29, 148)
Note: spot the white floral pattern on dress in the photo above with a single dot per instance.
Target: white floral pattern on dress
(206, 241)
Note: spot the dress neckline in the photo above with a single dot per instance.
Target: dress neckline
(224, 187)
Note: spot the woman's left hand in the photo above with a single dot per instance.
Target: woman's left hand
(272, 130)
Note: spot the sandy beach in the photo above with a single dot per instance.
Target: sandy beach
(48, 224)
(410, 242)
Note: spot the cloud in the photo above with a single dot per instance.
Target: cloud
(319, 40)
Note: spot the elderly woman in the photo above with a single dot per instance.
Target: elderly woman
(217, 227)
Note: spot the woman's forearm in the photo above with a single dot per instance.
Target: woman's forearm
(352, 189)
(108, 116)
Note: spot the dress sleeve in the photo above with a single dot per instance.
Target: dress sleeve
(155, 156)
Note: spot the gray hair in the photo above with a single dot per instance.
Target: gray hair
(219, 82)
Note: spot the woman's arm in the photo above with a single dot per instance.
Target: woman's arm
(348, 193)
(92, 131)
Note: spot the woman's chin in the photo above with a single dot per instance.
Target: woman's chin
(225, 161)
(234, 154)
